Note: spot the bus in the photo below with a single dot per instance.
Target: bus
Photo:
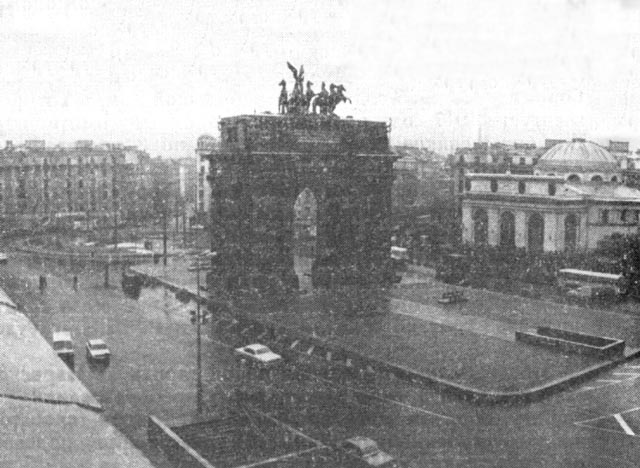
(571, 278)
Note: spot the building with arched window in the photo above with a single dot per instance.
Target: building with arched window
(574, 198)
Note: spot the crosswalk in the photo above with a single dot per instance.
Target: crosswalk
(624, 374)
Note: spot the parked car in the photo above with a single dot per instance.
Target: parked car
(594, 293)
(97, 350)
(364, 452)
(3, 258)
(259, 354)
(63, 346)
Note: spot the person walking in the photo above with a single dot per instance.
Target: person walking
(75, 282)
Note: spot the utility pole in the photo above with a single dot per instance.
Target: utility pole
(184, 228)
(164, 236)
(198, 342)
(114, 194)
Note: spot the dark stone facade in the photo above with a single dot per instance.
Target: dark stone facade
(262, 165)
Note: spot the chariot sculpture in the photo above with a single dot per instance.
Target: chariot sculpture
(307, 101)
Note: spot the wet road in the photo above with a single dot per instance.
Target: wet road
(153, 371)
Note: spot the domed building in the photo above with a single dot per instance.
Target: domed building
(573, 199)
(580, 161)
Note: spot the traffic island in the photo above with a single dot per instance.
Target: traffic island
(574, 342)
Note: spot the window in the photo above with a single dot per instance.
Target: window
(604, 216)
(467, 184)
(552, 189)
(523, 161)
(22, 189)
(494, 185)
(521, 187)
(232, 135)
(623, 216)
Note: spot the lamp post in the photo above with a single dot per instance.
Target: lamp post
(198, 342)
(164, 236)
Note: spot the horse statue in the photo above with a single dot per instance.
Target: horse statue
(336, 97)
(283, 100)
(321, 100)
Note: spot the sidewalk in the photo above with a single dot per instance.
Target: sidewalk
(470, 344)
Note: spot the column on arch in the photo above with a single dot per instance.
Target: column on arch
(521, 229)
(551, 232)
(467, 224)
(493, 221)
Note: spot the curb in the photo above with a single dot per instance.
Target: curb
(464, 392)
(51, 401)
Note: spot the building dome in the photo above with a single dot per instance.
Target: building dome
(577, 156)
(206, 142)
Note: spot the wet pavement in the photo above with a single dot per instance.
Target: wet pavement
(153, 371)
(452, 342)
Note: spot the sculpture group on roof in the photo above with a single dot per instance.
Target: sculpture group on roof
(305, 102)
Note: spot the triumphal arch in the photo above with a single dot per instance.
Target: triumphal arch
(264, 163)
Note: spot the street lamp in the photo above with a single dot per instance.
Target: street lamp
(199, 319)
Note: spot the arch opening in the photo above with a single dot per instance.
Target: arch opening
(535, 232)
(305, 227)
(480, 226)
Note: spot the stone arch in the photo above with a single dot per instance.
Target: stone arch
(535, 232)
(507, 229)
(596, 178)
(570, 231)
(574, 178)
(480, 226)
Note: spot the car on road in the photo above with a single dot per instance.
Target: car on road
(360, 451)
(259, 354)
(3, 258)
(97, 350)
(593, 293)
(63, 346)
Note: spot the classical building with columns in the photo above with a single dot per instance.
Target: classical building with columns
(574, 198)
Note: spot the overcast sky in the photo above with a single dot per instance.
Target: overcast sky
(161, 73)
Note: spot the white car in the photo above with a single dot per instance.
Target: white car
(259, 354)
(97, 349)
(63, 346)
(364, 452)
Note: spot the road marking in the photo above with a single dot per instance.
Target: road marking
(635, 374)
(613, 422)
(378, 397)
(629, 366)
(609, 380)
(625, 427)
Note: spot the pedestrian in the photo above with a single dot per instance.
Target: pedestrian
(42, 283)
(75, 282)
